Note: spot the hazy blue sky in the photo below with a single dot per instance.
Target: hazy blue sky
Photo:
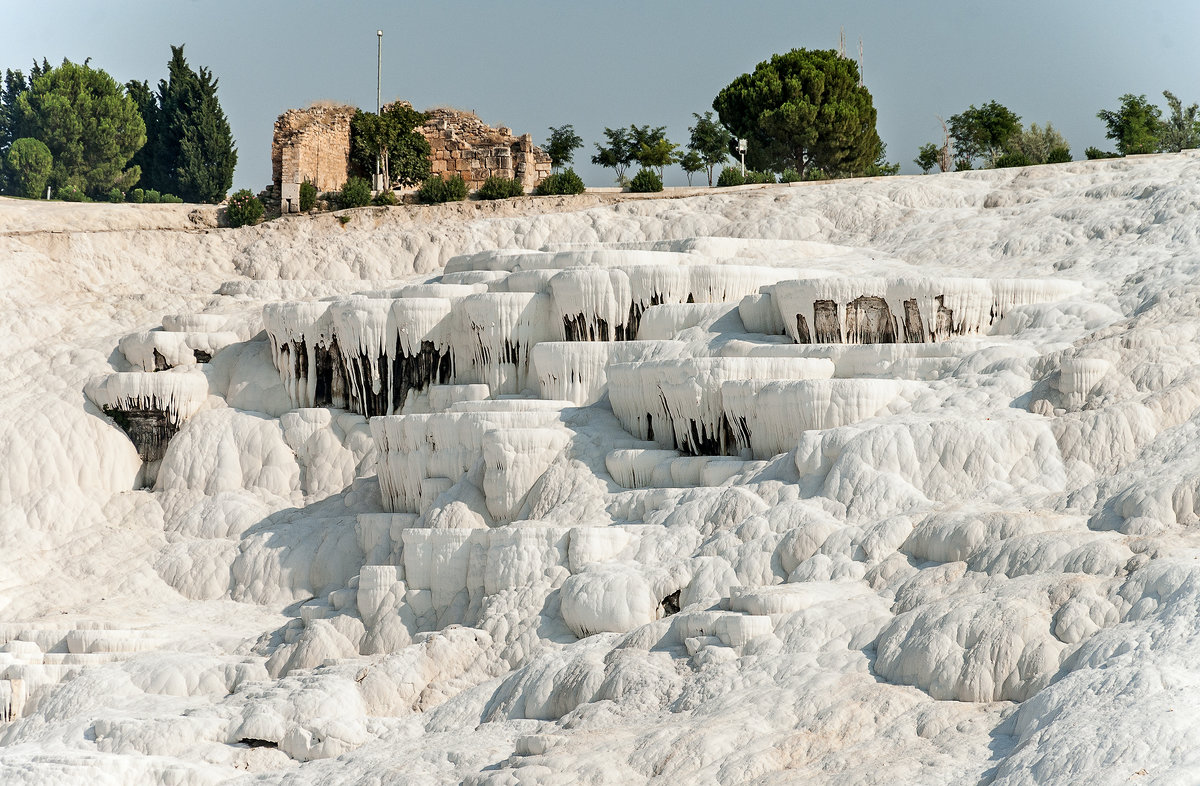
(531, 65)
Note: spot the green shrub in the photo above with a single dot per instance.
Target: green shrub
(171, 199)
(790, 176)
(435, 189)
(385, 198)
(115, 195)
(308, 196)
(1012, 159)
(565, 182)
(731, 176)
(355, 193)
(760, 177)
(1059, 155)
(152, 197)
(29, 164)
(72, 194)
(136, 195)
(645, 182)
(1095, 152)
(243, 209)
(497, 187)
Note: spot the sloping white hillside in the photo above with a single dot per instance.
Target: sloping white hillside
(890, 481)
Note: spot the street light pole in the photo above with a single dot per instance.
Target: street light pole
(378, 105)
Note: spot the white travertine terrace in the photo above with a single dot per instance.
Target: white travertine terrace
(678, 403)
(176, 395)
(593, 304)
(577, 370)
(497, 331)
(769, 417)
(417, 448)
(890, 310)
(664, 322)
(897, 361)
(429, 527)
(156, 350)
(305, 352)
(636, 468)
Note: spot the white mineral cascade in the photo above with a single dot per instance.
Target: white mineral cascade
(874, 482)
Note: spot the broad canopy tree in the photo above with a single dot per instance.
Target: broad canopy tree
(927, 157)
(1181, 129)
(619, 154)
(691, 162)
(651, 148)
(802, 110)
(983, 132)
(1039, 145)
(90, 125)
(1134, 126)
(710, 142)
(562, 145)
(391, 135)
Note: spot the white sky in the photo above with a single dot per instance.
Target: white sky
(531, 65)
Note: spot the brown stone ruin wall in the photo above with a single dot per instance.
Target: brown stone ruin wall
(314, 143)
(460, 143)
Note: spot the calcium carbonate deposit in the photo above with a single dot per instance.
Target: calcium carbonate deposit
(869, 482)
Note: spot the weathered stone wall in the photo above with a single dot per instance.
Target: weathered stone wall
(461, 143)
(312, 144)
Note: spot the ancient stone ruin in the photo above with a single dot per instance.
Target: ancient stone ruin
(461, 143)
(314, 144)
(310, 144)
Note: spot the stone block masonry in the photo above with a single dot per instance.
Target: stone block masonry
(314, 144)
(460, 143)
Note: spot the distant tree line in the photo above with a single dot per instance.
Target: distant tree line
(1137, 126)
(992, 135)
(75, 130)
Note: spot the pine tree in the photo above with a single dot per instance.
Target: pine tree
(89, 124)
(800, 110)
(190, 152)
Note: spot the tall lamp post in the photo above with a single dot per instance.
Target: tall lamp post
(742, 150)
(378, 105)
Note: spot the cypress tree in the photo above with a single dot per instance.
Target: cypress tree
(147, 158)
(191, 145)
